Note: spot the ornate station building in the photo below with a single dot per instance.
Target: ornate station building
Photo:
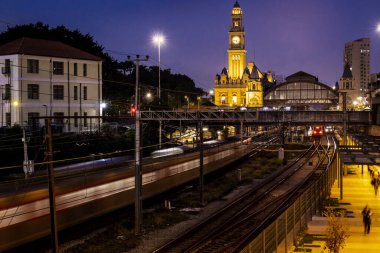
(241, 84)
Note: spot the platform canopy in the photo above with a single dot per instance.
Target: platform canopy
(365, 152)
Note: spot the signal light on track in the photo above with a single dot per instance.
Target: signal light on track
(133, 110)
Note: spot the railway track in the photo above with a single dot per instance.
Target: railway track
(222, 231)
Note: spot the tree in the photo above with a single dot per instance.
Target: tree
(336, 231)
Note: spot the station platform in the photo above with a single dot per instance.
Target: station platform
(357, 192)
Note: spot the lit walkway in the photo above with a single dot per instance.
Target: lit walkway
(357, 193)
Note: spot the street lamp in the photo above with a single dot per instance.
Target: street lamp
(102, 107)
(187, 99)
(159, 39)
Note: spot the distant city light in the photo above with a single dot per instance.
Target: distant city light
(378, 28)
(148, 95)
(103, 105)
(15, 103)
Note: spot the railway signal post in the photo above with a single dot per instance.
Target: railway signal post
(138, 173)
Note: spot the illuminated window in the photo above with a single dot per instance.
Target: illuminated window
(223, 100)
(234, 99)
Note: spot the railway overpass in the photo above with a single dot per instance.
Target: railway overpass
(261, 117)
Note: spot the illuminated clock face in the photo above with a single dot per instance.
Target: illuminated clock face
(236, 40)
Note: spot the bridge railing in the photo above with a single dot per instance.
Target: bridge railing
(260, 116)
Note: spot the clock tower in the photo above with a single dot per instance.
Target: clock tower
(240, 84)
(236, 50)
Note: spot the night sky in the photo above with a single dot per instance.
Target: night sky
(284, 36)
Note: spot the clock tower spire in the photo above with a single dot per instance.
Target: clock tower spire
(236, 50)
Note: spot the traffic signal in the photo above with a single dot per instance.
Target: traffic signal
(133, 110)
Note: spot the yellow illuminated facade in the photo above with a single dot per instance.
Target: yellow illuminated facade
(241, 84)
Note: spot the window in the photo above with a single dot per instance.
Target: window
(32, 66)
(7, 93)
(85, 69)
(84, 93)
(58, 118)
(32, 118)
(57, 68)
(234, 99)
(33, 91)
(75, 92)
(75, 69)
(58, 92)
(75, 119)
(223, 100)
(7, 67)
(85, 119)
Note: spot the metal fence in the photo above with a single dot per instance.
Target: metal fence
(280, 233)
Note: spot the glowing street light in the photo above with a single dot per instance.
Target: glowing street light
(148, 95)
(159, 39)
(188, 103)
(378, 28)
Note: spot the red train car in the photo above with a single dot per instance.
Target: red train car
(318, 131)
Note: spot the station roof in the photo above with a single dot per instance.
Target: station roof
(367, 152)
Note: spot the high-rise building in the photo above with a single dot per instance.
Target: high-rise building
(240, 84)
(357, 56)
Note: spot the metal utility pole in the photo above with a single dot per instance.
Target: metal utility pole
(138, 173)
(53, 217)
(26, 165)
(344, 102)
(201, 172)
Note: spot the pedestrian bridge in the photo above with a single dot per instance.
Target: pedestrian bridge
(261, 117)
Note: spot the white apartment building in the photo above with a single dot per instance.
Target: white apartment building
(357, 56)
(48, 78)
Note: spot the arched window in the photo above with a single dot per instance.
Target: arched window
(234, 99)
(223, 99)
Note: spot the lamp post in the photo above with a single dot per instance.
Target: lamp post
(159, 39)
(187, 99)
(138, 173)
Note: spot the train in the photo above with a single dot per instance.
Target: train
(318, 131)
